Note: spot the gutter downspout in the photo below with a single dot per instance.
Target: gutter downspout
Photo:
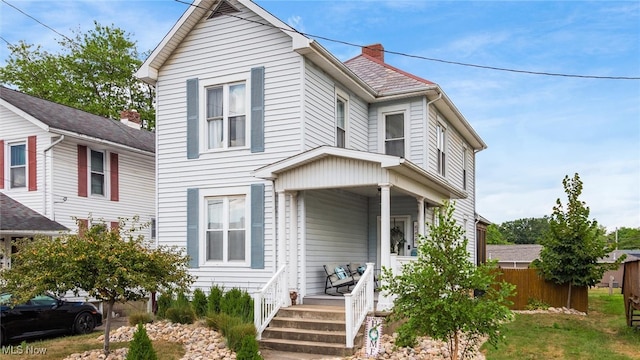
(44, 198)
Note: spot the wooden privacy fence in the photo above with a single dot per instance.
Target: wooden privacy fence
(531, 286)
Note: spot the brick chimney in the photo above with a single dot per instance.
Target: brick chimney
(131, 118)
(376, 51)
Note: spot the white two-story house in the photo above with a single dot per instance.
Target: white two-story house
(273, 154)
(60, 163)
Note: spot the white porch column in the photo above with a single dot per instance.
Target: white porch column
(384, 300)
(421, 219)
(282, 241)
(292, 267)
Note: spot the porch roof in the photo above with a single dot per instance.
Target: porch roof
(330, 167)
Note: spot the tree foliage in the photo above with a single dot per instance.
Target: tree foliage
(524, 231)
(434, 294)
(111, 265)
(94, 73)
(628, 238)
(573, 247)
(494, 236)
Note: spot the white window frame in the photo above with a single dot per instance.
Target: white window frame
(224, 82)
(12, 167)
(225, 193)
(382, 122)
(441, 148)
(104, 173)
(341, 95)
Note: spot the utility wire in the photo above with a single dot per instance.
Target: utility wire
(427, 58)
(38, 21)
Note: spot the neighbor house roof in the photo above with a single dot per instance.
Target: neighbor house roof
(615, 255)
(66, 120)
(522, 253)
(19, 219)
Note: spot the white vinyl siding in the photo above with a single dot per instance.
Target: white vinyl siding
(219, 48)
(320, 109)
(336, 232)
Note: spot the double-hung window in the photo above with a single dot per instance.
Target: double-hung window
(226, 229)
(18, 165)
(394, 134)
(342, 118)
(441, 148)
(226, 114)
(97, 173)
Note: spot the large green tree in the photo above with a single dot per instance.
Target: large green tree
(494, 236)
(524, 231)
(574, 246)
(625, 238)
(435, 293)
(110, 265)
(94, 72)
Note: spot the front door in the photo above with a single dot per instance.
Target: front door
(401, 236)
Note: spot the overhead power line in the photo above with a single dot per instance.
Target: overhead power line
(487, 67)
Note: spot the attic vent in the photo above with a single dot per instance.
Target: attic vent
(224, 8)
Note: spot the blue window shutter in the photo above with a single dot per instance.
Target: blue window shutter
(257, 109)
(257, 226)
(193, 205)
(192, 119)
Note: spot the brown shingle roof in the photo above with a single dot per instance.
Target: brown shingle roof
(384, 78)
(16, 217)
(525, 253)
(63, 117)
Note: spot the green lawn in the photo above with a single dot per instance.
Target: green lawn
(602, 334)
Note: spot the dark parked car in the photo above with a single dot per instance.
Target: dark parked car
(45, 315)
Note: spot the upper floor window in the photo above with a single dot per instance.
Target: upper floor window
(341, 131)
(226, 232)
(18, 165)
(464, 168)
(394, 134)
(97, 172)
(226, 114)
(441, 147)
(153, 228)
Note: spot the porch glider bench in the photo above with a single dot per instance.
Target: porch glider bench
(338, 276)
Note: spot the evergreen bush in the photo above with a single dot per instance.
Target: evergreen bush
(249, 349)
(164, 302)
(235, 334)
(140, 348)
(214, 298)
(238, 303)
(199, 302)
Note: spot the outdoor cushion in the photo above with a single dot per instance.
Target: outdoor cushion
(340, 273)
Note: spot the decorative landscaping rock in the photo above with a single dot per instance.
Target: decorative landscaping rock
(552, 310)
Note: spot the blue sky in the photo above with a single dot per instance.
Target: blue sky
(538, 128)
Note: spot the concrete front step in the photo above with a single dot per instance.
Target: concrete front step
(300, 323)
(309, 329)
(306, 347)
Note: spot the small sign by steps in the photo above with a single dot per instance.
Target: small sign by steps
(373, 334)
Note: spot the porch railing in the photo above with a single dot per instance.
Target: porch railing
(268, 300)
(358, 304)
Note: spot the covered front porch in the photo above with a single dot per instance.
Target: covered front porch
(337, 205)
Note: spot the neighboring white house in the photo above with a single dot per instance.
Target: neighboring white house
(62, 163)
(271, 152)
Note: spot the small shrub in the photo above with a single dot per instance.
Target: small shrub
(199, 302)
(181, 314)
(214, 298)
(181, 300)
(222, 322)
(164, 302)
(236, 333)
(140, 348)
(239, 303)
(249, 349)
(140, 318)
(536, 304)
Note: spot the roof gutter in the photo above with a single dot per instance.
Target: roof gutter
(102, 141)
